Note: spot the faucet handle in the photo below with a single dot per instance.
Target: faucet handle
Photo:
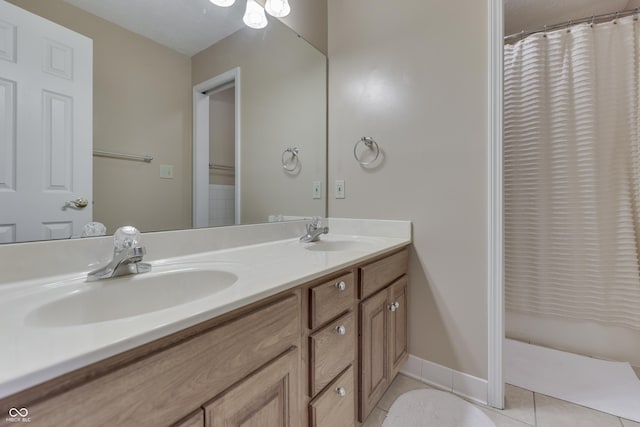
(315, 222)
(126, 237)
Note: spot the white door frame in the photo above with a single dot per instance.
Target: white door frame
(201, 146)
(495, 381)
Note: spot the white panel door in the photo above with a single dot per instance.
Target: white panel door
(46, 127)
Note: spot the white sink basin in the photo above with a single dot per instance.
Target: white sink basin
(131, 295)
(339, 245)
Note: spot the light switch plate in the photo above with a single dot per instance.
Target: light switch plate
(317, 190)
(339, 189)
(166, 171)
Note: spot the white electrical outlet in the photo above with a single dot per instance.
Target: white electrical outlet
(317, 190)
(339, 189)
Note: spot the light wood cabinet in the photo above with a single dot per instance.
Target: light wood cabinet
(379, 274)
(332, 349)
(374, 331)
(161, 388)
(194, 420)
(330, 299)
(332, 336)
(334, 407)
(383, 329)
(319, 355)
(267, 398)
(397, 346)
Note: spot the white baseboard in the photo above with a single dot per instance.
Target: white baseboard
(467, 386)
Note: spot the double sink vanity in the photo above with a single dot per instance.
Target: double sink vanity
(232, 326)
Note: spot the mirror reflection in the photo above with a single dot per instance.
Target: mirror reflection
(161, 116)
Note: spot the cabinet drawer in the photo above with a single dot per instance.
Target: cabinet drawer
(330, 299)
(335, 406)
(381, 273)
(332, 349)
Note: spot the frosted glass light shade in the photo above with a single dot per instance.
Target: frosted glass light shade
(277, 8)
(223, 3)
(254, 15)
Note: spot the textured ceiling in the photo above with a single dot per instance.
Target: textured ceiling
(187, 26)
(526, 15)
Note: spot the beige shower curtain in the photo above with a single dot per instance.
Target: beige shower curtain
(572, 173)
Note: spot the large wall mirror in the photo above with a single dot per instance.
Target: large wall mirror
(181, 117)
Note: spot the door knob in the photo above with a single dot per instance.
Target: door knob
(79, 203)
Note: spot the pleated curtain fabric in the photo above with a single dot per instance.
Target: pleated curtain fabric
(572, 173)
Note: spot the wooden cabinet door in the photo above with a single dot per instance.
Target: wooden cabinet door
(374, 372)
(397, 346)
(266, 398)
(195, 420)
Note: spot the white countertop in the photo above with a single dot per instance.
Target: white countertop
(33, 354)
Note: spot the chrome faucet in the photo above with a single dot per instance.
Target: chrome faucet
(127, 254)
(314, 230)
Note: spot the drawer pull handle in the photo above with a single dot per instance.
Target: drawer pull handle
(341, 391)
(341, 330)
(341, 286)
(394, 306)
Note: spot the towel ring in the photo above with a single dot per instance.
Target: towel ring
(371, 144)
(294, 159)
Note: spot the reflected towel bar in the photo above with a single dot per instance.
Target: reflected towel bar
(222, 167)
(100, 153)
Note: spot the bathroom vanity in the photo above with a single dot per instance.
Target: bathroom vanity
(310, 334)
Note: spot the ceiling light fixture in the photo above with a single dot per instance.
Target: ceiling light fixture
(254, 15)
(223, 3)
(277, 8)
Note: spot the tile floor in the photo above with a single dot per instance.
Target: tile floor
(522, 408)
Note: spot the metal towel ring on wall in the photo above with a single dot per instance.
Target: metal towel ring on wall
(294, 159)
(371, 144)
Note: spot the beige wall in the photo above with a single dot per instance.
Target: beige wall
(283, 104)
(413, 75)
(142, 105)
(308, 18)
(222, 143)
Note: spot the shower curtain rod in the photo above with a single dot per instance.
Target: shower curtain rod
(592, 19)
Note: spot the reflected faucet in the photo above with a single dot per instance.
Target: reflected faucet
(127, 254)
(314, 230)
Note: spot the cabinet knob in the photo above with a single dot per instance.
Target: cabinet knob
(394, 306)
(341, 286)
(341, 330)
(341, 391)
